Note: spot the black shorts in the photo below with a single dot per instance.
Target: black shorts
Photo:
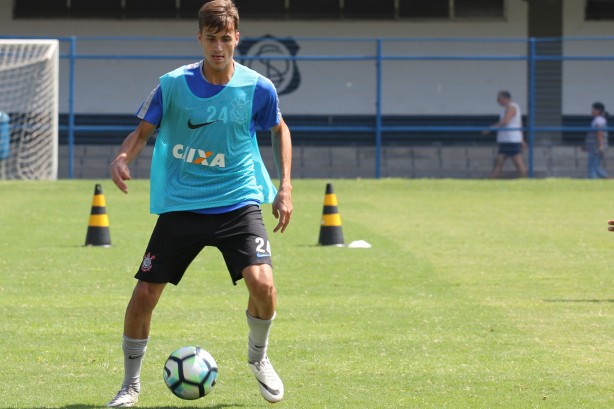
(510, 148)
(178, 237)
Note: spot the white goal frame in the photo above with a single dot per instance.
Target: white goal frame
(29, 98)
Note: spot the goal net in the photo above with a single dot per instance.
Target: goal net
(29, 109)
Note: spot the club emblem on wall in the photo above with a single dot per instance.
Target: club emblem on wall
(283, 73)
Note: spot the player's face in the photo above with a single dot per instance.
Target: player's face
(218, 48)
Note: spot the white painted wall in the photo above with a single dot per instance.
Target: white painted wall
(416, 87)
(586, 82)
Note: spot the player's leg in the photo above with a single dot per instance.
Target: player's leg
(260, 315)
(136, 328)
(175, 241)
(137, 322)
(262, 293)
(260, 308)
(247, 253)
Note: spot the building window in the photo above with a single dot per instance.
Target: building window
(380, 9)
(424, 9)
(150, 9)
(478, 8)
(445, 9)
(96, 9)
(283, 9)
(37, 9)
(314, 9)
(261, 9)
(189, 9)
(599, 10)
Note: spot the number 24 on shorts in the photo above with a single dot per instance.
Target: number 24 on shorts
(261, 251)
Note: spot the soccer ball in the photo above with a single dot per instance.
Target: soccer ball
(190, 372)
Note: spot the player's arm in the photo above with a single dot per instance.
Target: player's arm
(130, 148)
(282, 152)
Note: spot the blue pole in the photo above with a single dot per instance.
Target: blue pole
(531, 113)
(71, 107)
(378, 110)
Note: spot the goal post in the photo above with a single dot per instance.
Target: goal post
(29, 87)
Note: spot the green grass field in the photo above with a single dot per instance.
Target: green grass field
(476, 294)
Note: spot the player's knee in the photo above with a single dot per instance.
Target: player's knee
(146, 295)
(263, 288)
(259, 280)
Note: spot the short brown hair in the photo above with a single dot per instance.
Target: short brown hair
(218, 15)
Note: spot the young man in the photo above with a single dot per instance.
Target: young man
(207, 181)
(596, 142)
(510, 140)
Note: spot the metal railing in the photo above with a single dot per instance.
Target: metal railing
(530, 59)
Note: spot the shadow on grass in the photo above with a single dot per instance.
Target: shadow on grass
(78, 406)
(580, 301)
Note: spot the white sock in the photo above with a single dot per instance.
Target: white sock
(134, 349)
(258, 338)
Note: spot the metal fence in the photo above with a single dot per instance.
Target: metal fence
(373, 92)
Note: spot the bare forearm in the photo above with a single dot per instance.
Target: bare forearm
(131, 147)
(282, 151)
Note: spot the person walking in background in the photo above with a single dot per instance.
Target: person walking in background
(207, 183)
(509, 135)
(596, 142)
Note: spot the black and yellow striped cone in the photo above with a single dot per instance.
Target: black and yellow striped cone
(98, 227)
(330, 227)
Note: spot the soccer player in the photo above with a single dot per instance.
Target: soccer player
(207, 182)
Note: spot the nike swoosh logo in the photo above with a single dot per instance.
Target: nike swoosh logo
(135, 356)
(196, 126)
(268, 388)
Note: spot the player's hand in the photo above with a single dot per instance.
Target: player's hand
(611, 224)
(282, 208)
(120, 173)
